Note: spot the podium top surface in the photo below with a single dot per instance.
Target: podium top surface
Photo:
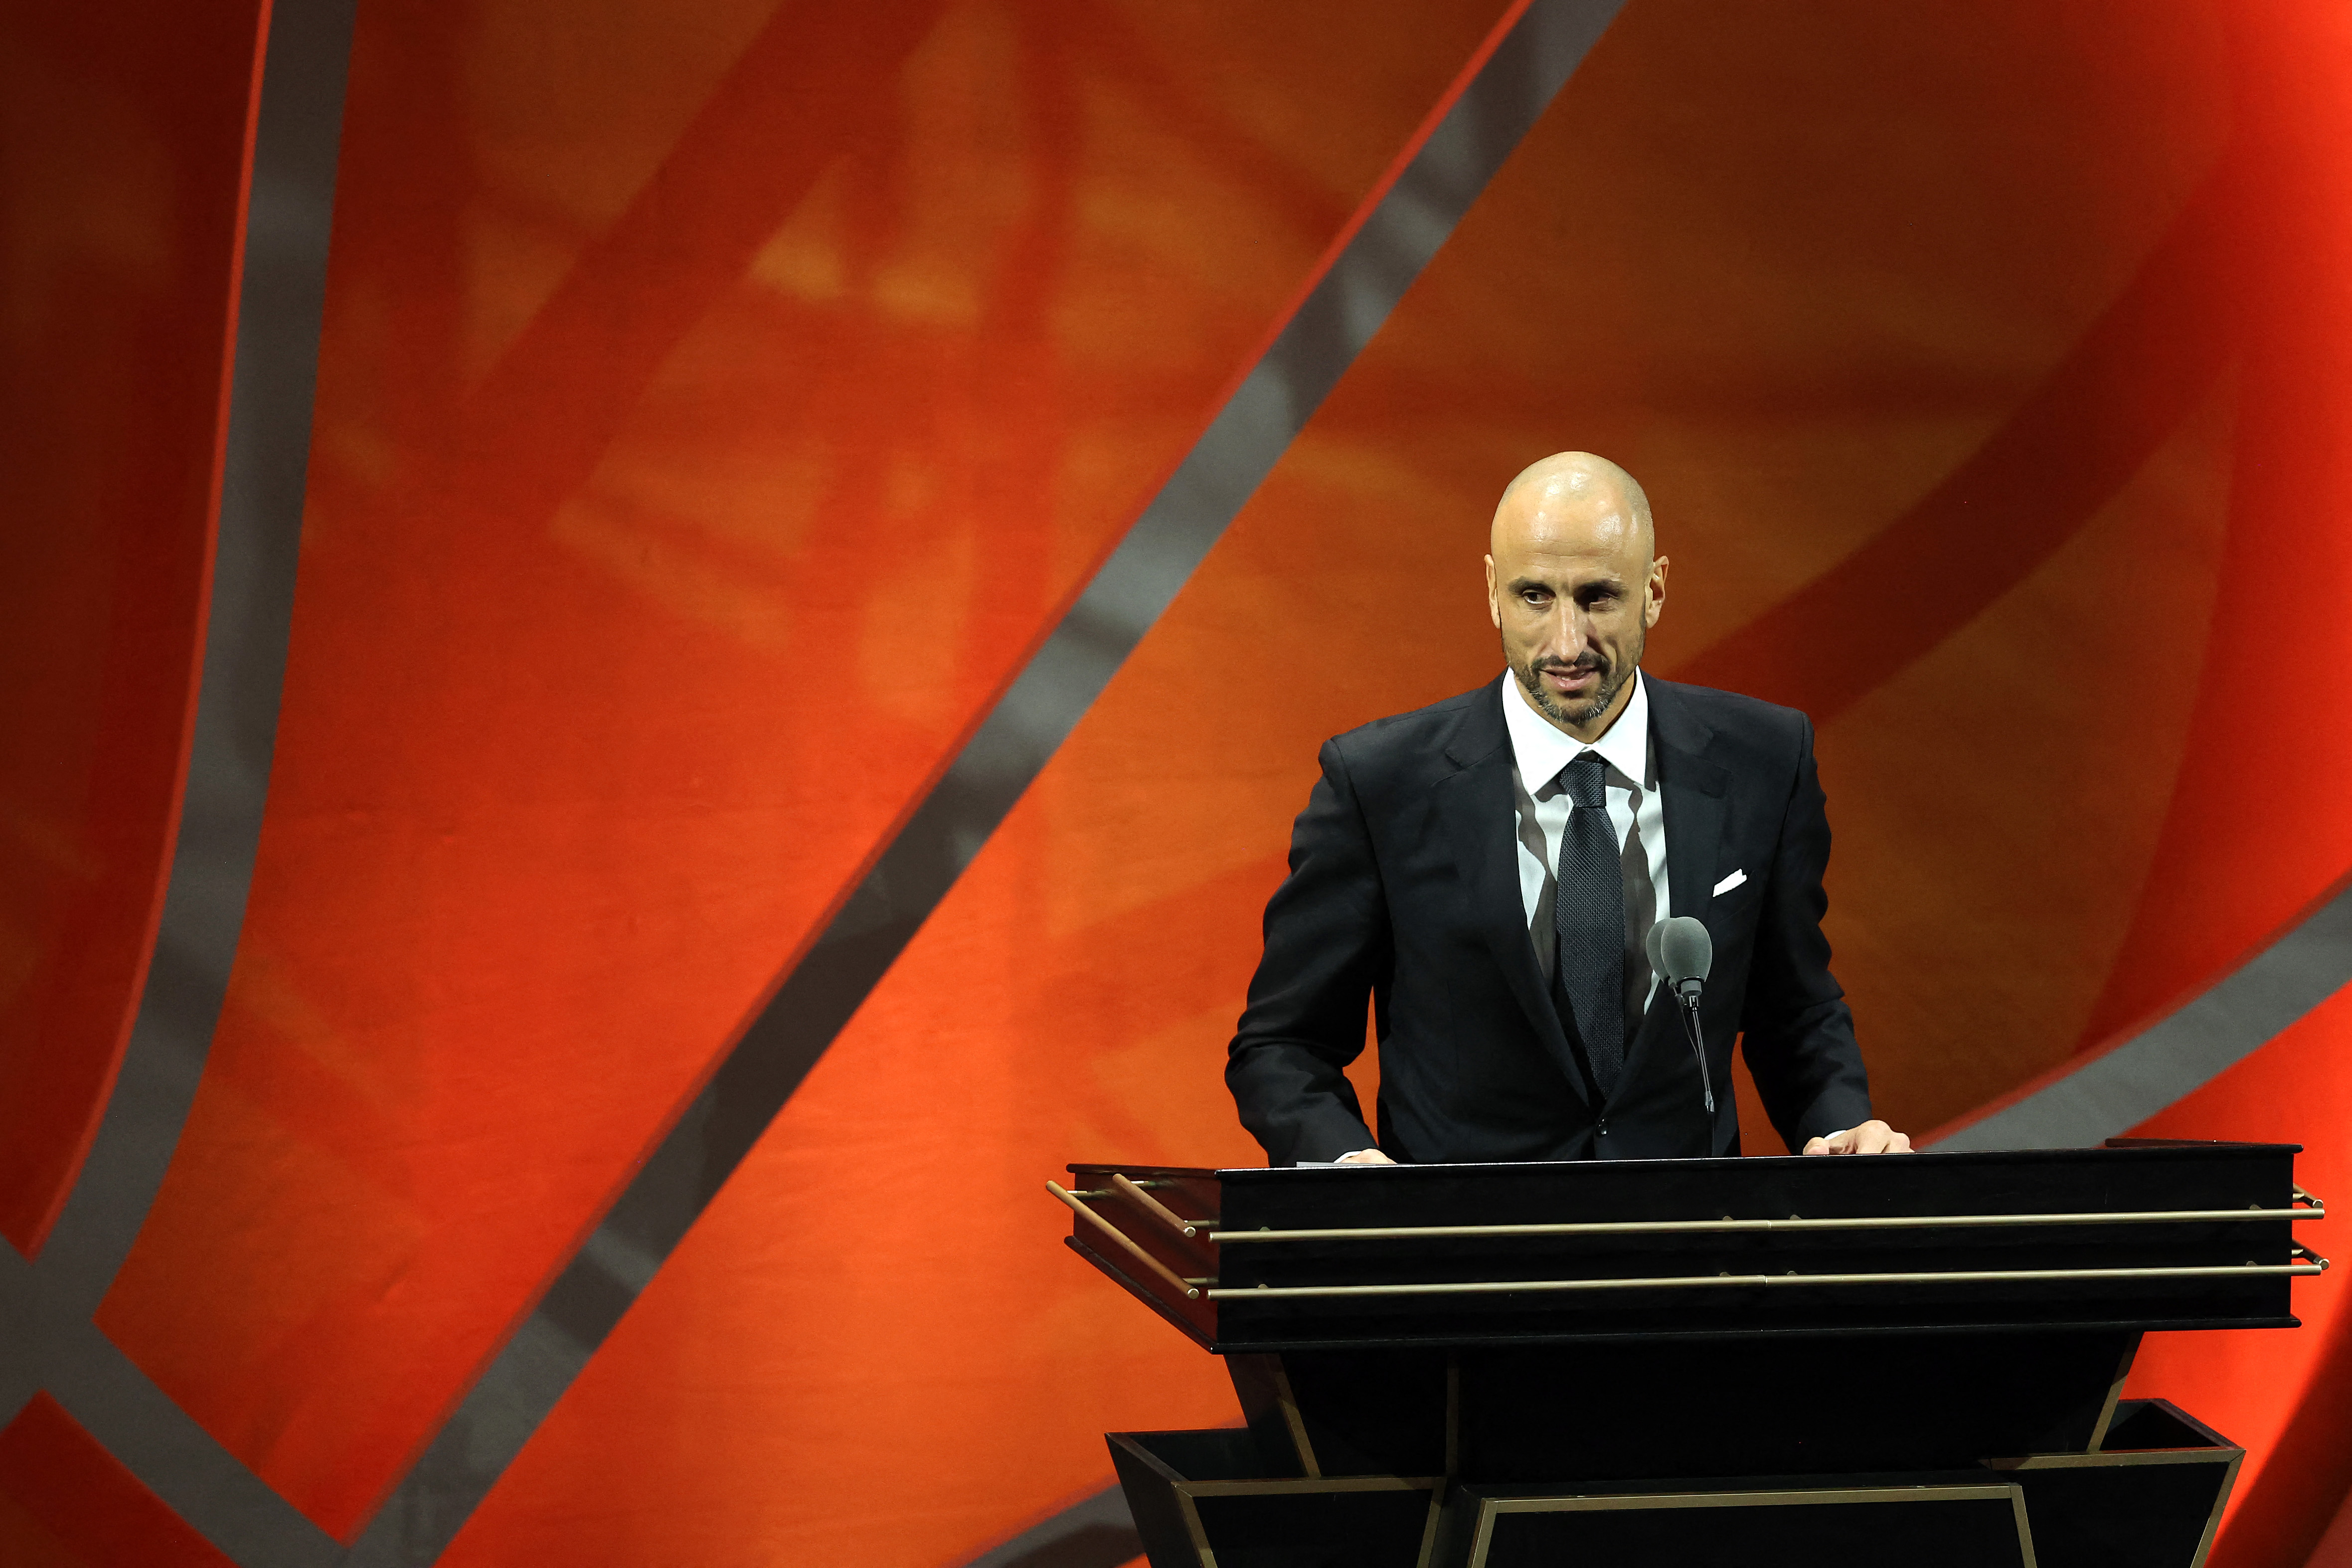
(2141, 1234)
(2129, 1150)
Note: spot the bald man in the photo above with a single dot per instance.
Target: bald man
(1483, 873)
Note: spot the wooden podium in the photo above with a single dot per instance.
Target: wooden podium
(1913, 1359)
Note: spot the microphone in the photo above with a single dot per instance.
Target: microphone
(1681, 952)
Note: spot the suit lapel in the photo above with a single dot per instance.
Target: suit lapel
(1693, 802)
(1482, 819)
(1694, 789)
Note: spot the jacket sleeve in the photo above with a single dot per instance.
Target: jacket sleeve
(1800, 1041)
(1328, 947)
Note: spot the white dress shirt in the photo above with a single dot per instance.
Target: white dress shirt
(1637, 824)
(1637, 821)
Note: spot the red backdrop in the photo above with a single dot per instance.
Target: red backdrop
(716, 404)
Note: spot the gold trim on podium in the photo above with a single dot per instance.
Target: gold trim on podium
(1126, 1243)
(1262, 1384)
(2217, 1449)
(1794, 1223)
(1191, 1230)
(1187, 1492)
(1686, 1282)
(1491, 1509)
(2115, 1396)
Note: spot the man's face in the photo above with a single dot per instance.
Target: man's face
(1573, 590)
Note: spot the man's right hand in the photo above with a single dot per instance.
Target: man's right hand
(1870, 1138)
(1364, 1157)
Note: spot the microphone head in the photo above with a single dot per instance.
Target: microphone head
(1680, 949)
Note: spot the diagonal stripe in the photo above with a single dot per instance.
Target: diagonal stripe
(154, 1439)
(2074, 441)
(46, 1337)
(1408, 215)
(1096, 1532)
(811, 84)
(2095, 1097)
(281, 296)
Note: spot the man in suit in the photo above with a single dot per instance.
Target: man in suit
(1486, 871)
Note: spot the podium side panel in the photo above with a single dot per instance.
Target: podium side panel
(1780, 1406)
(1163, 1517)
(1919, 1527)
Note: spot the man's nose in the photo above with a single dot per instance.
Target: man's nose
(1566, 635)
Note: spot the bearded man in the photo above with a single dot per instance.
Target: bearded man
(1485, 873)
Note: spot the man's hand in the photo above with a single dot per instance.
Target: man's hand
(1364, 1157)
(1870, 1138)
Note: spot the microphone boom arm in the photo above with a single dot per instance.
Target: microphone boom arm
(1687, 1003)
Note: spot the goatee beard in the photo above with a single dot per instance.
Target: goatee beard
(1559, 713)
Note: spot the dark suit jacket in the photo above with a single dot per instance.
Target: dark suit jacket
(1404, 889)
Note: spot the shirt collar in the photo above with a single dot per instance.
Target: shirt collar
(1541, 750)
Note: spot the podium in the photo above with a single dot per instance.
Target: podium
(1911, 1358)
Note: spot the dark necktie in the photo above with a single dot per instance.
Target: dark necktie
(1587, 914)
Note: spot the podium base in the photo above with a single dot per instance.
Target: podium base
(2151, 1496)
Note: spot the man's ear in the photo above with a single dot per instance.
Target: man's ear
(1494, 602)
(1653, 597)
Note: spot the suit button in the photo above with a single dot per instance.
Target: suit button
(1604, 1127)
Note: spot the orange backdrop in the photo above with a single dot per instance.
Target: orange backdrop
(123, 141)
(718, 402)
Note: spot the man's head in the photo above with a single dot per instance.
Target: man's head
(1574, 584)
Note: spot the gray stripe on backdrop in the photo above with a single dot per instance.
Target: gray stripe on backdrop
(280, 303)
(46, 1337)
(1096, 1532)
(1176, 530)
(2109, 1094)
(136, 1422)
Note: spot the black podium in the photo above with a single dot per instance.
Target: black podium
(1913, 1359)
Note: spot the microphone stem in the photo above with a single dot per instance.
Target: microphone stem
(1689, 1010)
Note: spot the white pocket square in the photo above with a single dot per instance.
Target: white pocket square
(1734, 879)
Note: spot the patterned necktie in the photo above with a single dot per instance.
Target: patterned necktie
(1588, 915)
